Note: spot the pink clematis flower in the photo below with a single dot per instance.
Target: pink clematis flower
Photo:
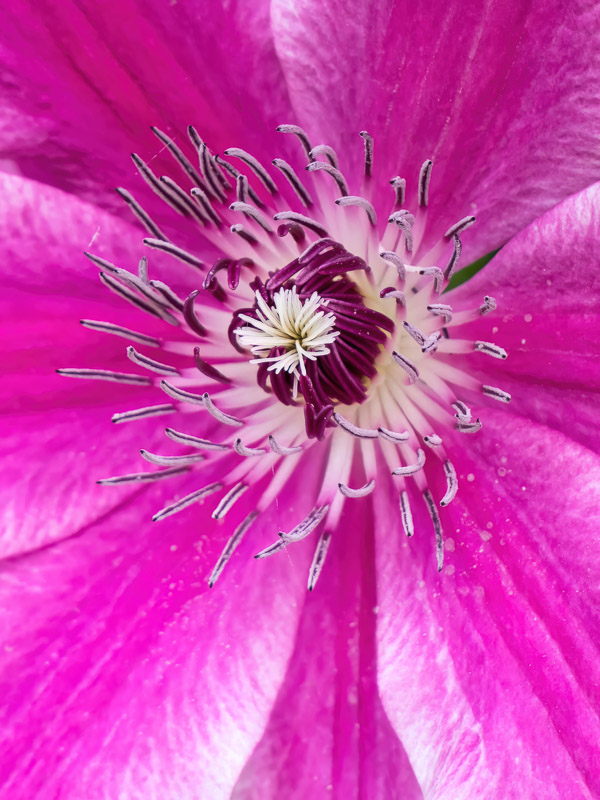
(426, 461)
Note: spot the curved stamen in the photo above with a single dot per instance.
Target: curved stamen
(255, 166)
(460, 226)
(451, 482)
(432, 440)
(496, 394)
(318, 559)
(191, 208)
(337, 176)
(491, 349)
(177, 154)
(254, 213)
(441, 310)
(454, 258)
(242, 450)
(307, 526)
(172, 299)
(181, 394)
(236, 174)
(328, 152)
(228, 500)
(393, 436)
(208, 369)
(362, 492)
(190, 315)
(186, 501)
(283, 451)
(117, 330)
(399, 186)
(394, 259)
(171, 461)
(221, 416)
(362, 433)
(240, 231)
(149, 363)
(407, 366)
(424, 180)
(139, 212)
(206, 206)
(231, 545)
(169, 197)
(353, 200)
(149, 307)
(411, 469)
(294, 181)
(404, 220)
(368, 139)
(300, 133)
(306, 222)
(489, 304)
(194, 441)
(143, 413)
(395, 294)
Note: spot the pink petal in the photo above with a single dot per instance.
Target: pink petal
(123, 675)
(328, 735)
(84, 82)
(503, 100)
(546, 283)
(489, 671)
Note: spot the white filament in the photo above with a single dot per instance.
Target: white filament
(297, 326)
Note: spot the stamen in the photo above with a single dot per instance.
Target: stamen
(362, 492)
(190, 315)
(169, 197)
(221, 416)
(241, 188)
(424, 179)
(394, 259)
(242, 450)
(411, 469)
(181, 394)
(183, 162)
(139, 212)
(489, 304)
(271, 549)
(463, 411)
(149, 307)
(300, 133)
(211, 174)
(318, 559)
(404, 220)
(105, 375)
(283, 451)
(362, 433)
(393, 436)
(235, 173)
(352, 200)
(227, 502)
(407, 366)
(176, 252)
(491, 350)
(255, 166)
(389, 291)
(308, 524)
(117, 330)
(368, 139)
(399, 186)
(496, 394)
(294, 181)
(244, 234)
(186, 501)
(208, 369)
(460, 226)
(143, 413)
(189, 205)
(206, 205)
(172, 299)
(337, 176)
(406, 515)
(254, 213)
(306, 222)
(468, 427)
(431, 342)
(454, 259)
(328, 152)
(171, 461)
(437, 527)
(143, 269)
(143, 477)
(296, 232)
(194, 441)
(230, 547)
(414, 333)
(149, 363)
(451, 483)
(432, 440)
(441, 310)
(435, 273)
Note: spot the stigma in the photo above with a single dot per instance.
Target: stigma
(319, 326)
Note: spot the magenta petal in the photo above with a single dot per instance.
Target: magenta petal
(546, 282)
(84, 82)
(489, 671)
(123, 675)
(328, 735)
(502, 100)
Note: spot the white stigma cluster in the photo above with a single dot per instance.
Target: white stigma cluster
(297, 326)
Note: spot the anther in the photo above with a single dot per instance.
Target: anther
(407, 366)
(300, 133)
(451, 483)
(186, 501)
(496, 394)
(181, 394)
(368, 140)
(491, 350)
(362, 492)
(463, 411)
(404, 220)
(176, 252)
(281, 450)
(254, 213)
(393, 436)
(169, 197)
(241, 188)
(142, 477)
(396, 294)
(193, 441)
(353, 200)
(228, 500)
(399, 186)
(231, 545)
(489, 304)
(362, 433)
(117, 330)
(414, 333)
(394, 259)
(411, 469)
(139, 212)
(327, 151)
(337, 176)
(306, 222)
(424, 179)
(171, 461)
(143, 270)
(206, 205)
(172, 299)
(441, 310)
(143, 413)
(255, 166)
(318, 559)
(181, 159)
(307, 526)
(106, 375)
(468, 427)
(406, 515)
(437, 527)
(149, 363)
(431, 342)
(432, 440)
(190, 315)
(460, 226)
(437, 275)
(454, 259)
(240, 231)
(242, 450)
(221, 416)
